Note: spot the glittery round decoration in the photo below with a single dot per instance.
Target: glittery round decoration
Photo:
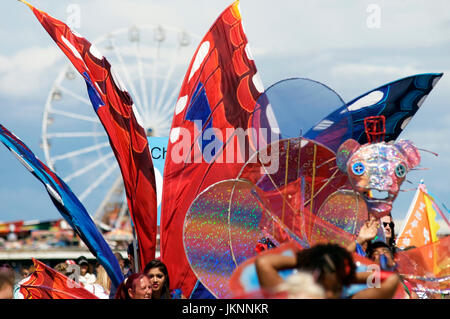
(297, 160)
(223, 226)
(346, 210)
(217, 236)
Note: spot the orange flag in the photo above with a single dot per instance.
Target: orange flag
(420, 226)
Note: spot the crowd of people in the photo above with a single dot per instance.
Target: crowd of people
(325, 270)
(151, 283)
(44, 241)
(329, 270)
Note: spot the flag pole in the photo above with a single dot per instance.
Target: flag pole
(25, 2)
(135, 250)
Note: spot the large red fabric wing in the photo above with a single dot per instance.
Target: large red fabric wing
(127, 137)
(218, 92)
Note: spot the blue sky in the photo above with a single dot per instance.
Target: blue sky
(351, 46)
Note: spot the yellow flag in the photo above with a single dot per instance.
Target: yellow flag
(434, 226)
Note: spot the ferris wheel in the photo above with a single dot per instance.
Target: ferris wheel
(152, 61)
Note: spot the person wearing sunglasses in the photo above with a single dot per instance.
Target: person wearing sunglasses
(389, 230)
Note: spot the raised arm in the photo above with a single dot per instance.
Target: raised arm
(267, 267)
(386, 289)
(367, 232)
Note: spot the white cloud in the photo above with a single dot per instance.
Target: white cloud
(4, 64)
(432, 139)
(353, 69)
(311, 26)
(118, 14)
(28, 71)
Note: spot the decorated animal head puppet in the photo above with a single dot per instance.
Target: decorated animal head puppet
(377, 170)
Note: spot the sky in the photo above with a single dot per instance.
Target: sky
(351, 46)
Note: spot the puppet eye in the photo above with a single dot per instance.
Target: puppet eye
(358, 168)
(400, 170)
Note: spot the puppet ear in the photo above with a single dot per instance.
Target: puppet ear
(344, 152)
(409, 151)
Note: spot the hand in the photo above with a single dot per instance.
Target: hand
(368, 231)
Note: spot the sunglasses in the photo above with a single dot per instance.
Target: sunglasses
(391, 224)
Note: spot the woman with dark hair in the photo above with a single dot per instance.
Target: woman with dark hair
(333, 268)
(331, 265)
(158, 275)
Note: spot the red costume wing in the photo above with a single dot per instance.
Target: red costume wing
(115, 109)
(218, 94)
(47, 283)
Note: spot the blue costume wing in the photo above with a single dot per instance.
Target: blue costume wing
(398, 101)
(67, 204)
